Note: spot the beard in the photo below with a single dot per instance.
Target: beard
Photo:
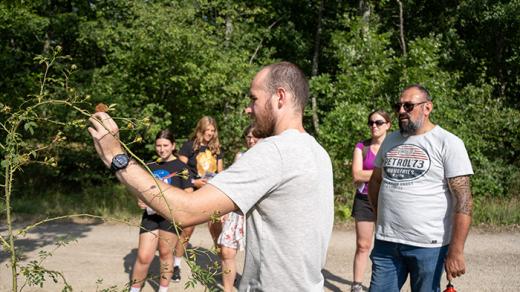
(264, 124)
(408, 127)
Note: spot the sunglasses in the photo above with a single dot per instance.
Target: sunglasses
(407, 106)
(378, 123)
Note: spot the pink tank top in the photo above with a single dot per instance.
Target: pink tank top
(368, 164)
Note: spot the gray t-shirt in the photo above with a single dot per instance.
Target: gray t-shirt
(284, 186)
(415, 203)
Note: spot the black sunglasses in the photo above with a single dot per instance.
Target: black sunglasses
(378, 123)
(407, 106)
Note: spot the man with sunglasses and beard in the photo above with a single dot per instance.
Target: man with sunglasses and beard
(420, 191)
(283, 185)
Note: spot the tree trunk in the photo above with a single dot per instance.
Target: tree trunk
(401, 28)
(364, 12)
(229, 30)
(261, 41)
(314, 71)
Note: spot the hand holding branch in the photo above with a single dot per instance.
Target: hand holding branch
(105, 134)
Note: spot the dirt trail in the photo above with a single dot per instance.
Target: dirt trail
(106, 252)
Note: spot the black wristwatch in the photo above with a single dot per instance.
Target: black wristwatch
(120, 161)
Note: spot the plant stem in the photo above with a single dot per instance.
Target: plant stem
(11, 246)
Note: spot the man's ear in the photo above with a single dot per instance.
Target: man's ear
(281, 97)
(428, 107)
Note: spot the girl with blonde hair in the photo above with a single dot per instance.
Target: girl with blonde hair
(203, 155)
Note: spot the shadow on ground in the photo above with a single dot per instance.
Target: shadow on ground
(205, 259)
(153, 271)
(331, 281)
(45, 236)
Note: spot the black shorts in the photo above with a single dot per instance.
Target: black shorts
(362, 210)
(156, 221)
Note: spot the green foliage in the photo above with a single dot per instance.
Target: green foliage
(367, 81)
(492, 42)
(362, 85)
(173, 64)
(20, 31)
(341, 130)
(205, 275)
(366, 64)
(342, 209)
(20, 148)
(166, 64)
(36, 274)
(476, 118)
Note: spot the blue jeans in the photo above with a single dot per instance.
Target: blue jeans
(392, 262)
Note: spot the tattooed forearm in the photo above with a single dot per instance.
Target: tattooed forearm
(461, 190)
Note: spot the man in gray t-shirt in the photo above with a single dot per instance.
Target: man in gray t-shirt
(283, 185)
(420, 189)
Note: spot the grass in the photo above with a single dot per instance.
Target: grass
(111, 201)
(487, 211)
(496, 211)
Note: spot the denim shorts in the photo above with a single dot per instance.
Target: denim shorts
(392, 262)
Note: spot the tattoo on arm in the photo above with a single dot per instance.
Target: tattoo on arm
(461, 189)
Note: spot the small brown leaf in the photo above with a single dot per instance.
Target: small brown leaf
(101, 107)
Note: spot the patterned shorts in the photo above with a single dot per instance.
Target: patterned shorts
(233, 232)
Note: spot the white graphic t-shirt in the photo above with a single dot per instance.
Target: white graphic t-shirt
(415, 203)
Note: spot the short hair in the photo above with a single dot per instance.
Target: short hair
(290, 77)
(421, 88)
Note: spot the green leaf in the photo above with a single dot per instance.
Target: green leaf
(29, 127)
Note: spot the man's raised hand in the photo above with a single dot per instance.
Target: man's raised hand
(105, 133)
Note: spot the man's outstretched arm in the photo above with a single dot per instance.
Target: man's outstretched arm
(461, 191)
(185, 208)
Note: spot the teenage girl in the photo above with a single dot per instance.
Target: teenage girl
(203, 156)
(155, 230)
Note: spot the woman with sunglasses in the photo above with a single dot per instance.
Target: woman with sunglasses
(362, 166)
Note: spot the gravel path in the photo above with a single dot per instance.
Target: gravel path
(103, 256)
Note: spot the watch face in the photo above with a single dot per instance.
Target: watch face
(120, 161)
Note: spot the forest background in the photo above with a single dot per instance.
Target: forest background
(168, 63)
